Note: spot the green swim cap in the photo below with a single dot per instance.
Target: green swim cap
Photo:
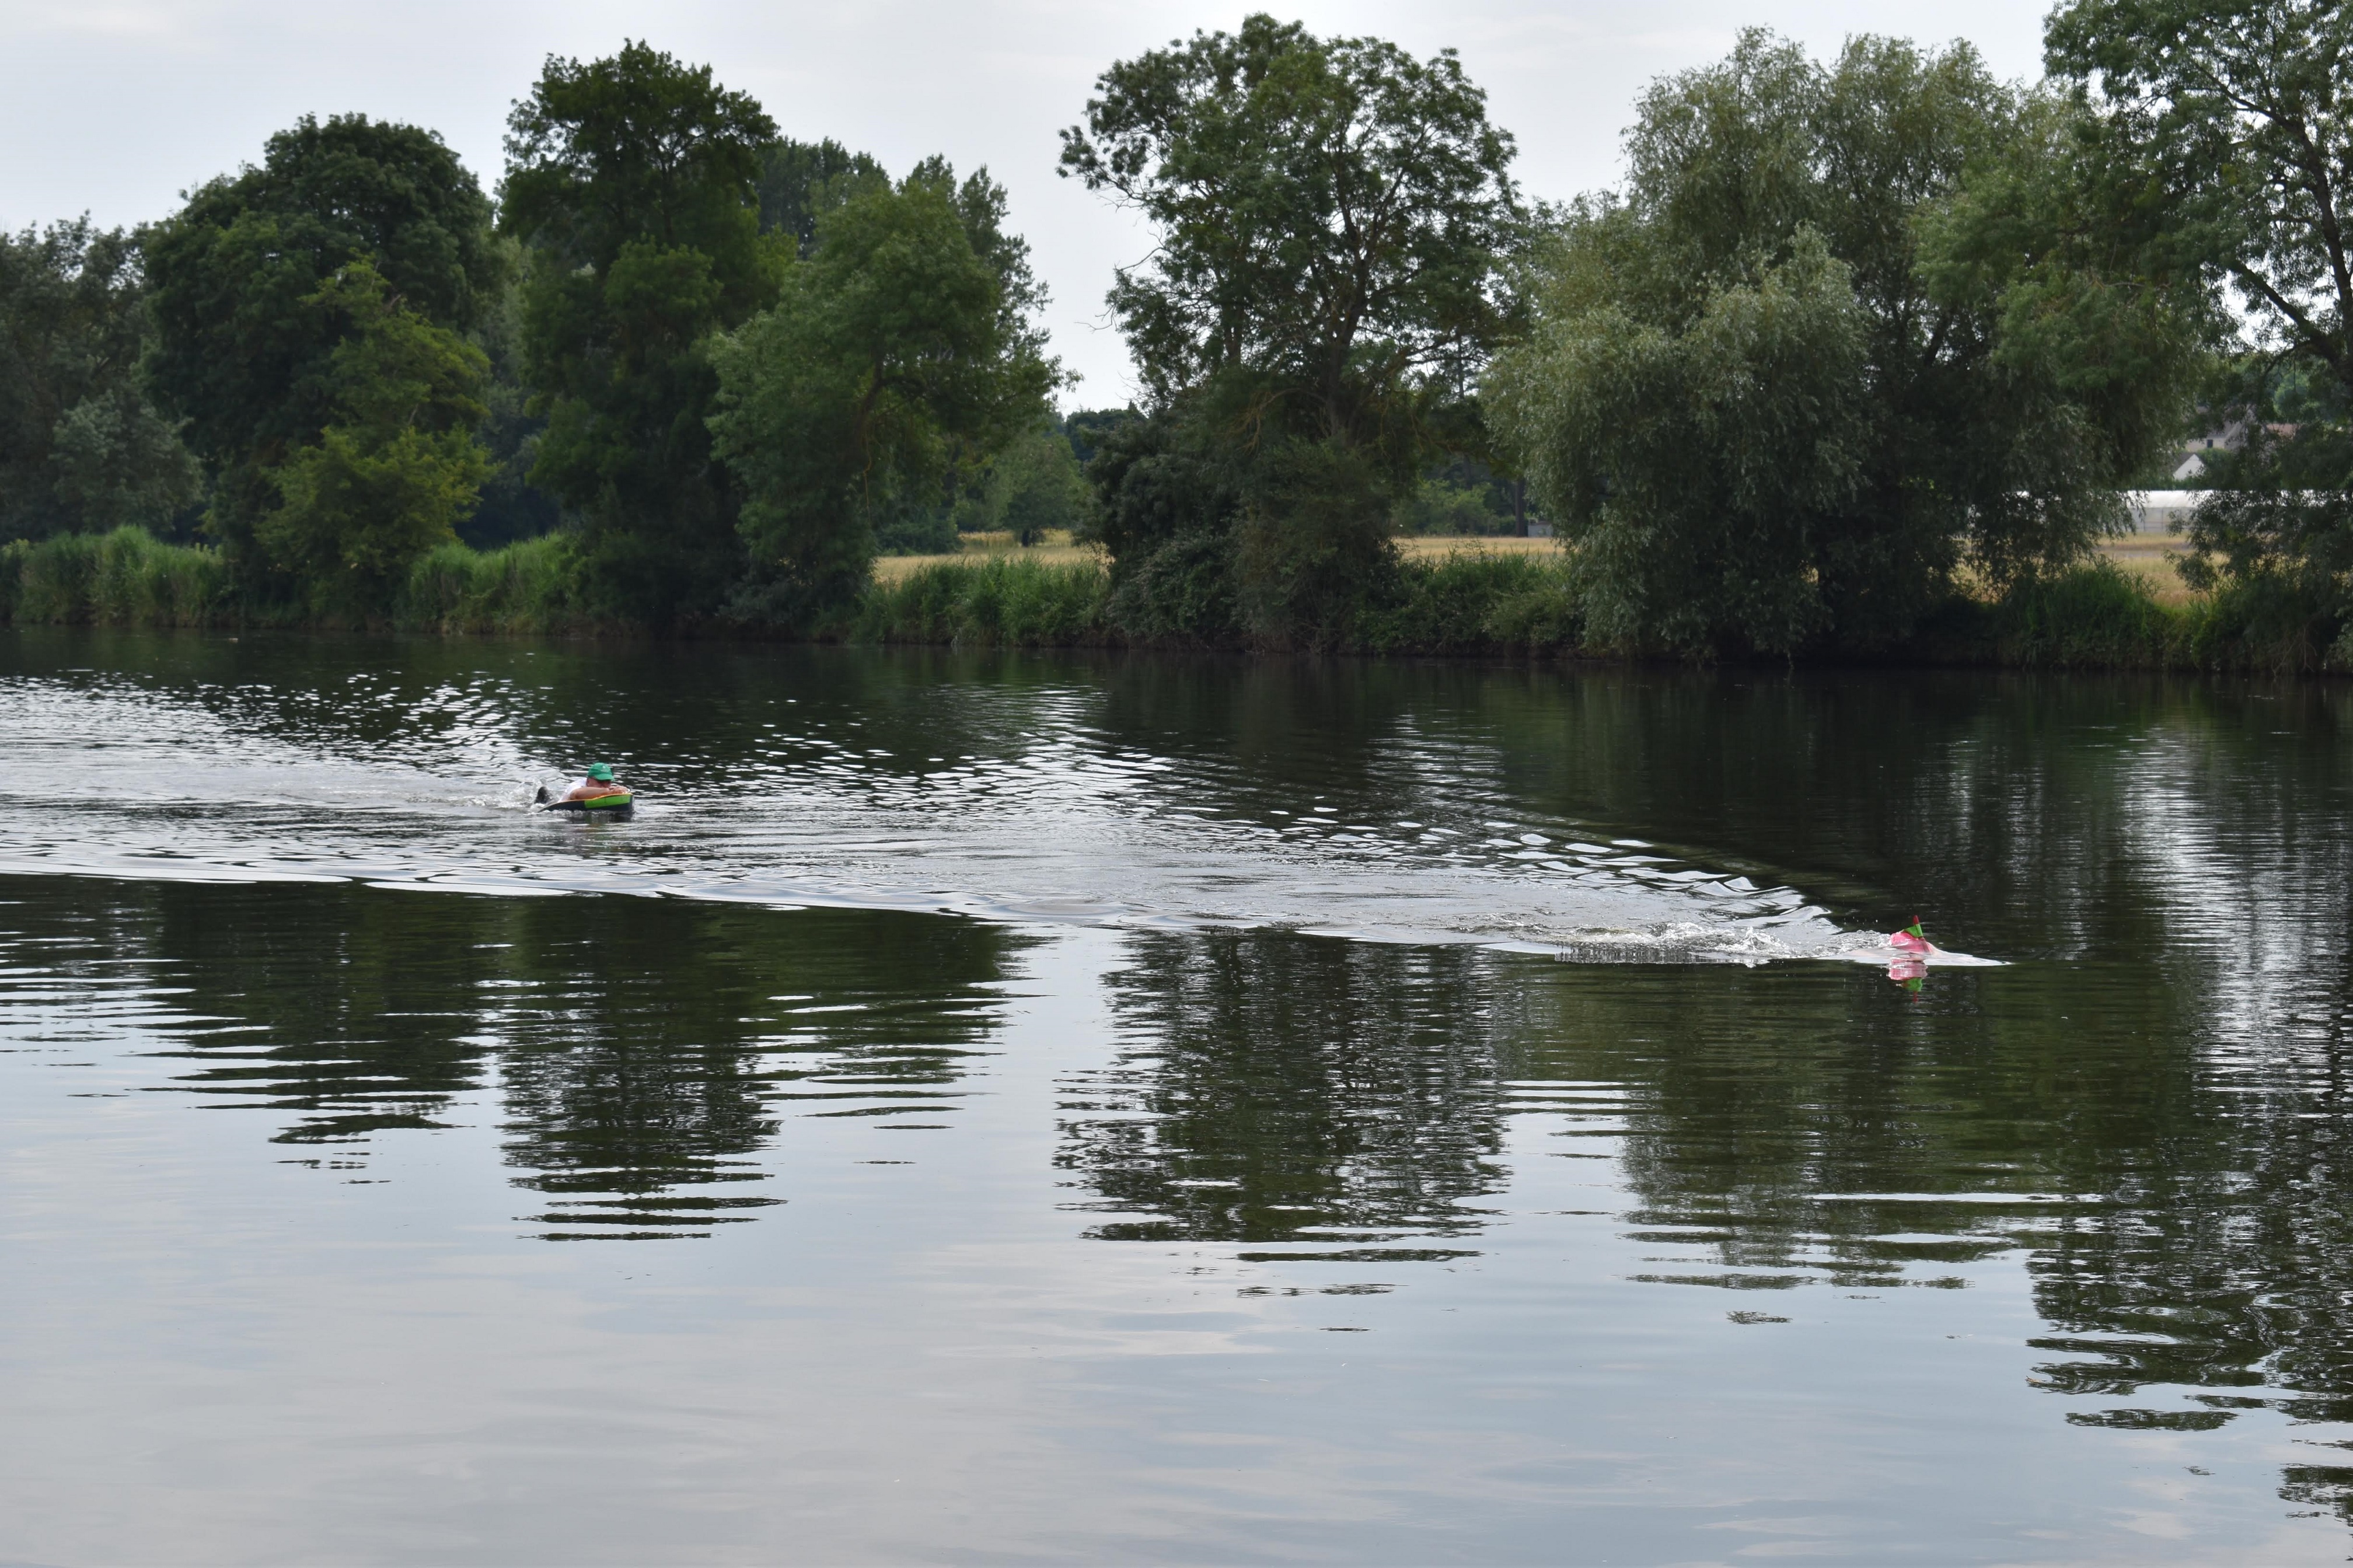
(601, 772)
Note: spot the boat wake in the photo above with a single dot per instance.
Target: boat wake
(1058, 825)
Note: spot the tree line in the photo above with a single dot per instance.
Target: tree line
(723, 362)
(1852, 339)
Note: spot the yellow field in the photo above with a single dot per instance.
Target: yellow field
(2150, 558)
(1057, 551)
(2147, 557)
(1438, 546)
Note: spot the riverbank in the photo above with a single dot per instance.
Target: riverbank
(2125, 610)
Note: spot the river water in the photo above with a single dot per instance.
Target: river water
(992, 1108)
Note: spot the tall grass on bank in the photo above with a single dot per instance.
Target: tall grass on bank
(999, 601)
(126, 578)
(532, 585)
(1455, 604)
(2092, 616)
(2096, 617)
(129, 578)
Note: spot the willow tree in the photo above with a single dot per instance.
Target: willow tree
(1836, 340)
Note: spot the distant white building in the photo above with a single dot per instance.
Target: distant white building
(2162, 511)
(2229, 438)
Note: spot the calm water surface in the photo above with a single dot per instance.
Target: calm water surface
(1004, 1108)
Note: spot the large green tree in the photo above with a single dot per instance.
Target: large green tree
(893, 351)
(1831, 344)
(800, 182)
(1329, 216)
(396, 465)
(1039, 488)
(2242, 111)
(80, 446)
(246, 341)
(633, 184)
(2233, 119)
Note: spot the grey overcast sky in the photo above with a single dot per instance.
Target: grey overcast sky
(112, 107)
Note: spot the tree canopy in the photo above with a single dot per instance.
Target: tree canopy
(244, 346)
(80, 446)
(1855, 340)
(800, 182)
(1819, 353)
(397, 466)
(2242, 111)
(633, 184)
(1330, 218)
(2230, 123)
(894, 347)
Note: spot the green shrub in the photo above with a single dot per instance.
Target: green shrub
(2268, 621)
(2096, 616)
(1468, 603)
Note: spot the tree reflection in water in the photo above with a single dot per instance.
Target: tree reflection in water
(2180, 1203)
(1276, 1088)
(644, 1049)
(2144, 1112)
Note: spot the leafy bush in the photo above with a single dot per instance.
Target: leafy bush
(1313, 553)
(1467, 603)
(2269, 621)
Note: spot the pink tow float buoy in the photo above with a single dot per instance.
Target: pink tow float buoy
(1911, 938)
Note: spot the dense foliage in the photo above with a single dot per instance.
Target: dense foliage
(1856, 346)
(82, 448)
(633, 184)
(247, 328)
(2233, 119)
(397, 464)
(1822, 352)
(800, 182)
(1330, 217)
(892, 347)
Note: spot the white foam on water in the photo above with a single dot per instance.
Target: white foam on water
(1058, 823)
